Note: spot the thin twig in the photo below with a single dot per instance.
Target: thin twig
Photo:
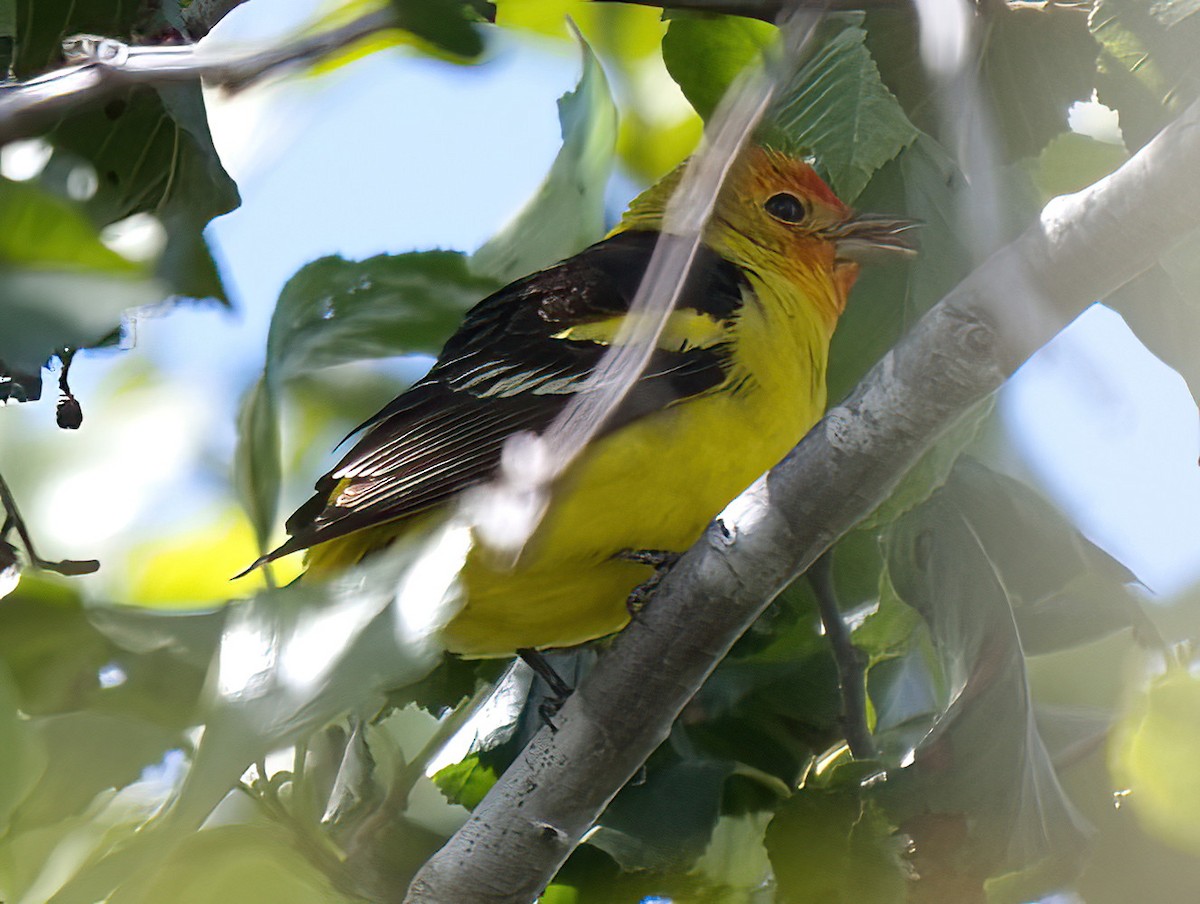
(849, 659)
(105, 65)
(13, 519)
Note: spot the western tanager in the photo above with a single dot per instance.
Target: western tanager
(737, 377)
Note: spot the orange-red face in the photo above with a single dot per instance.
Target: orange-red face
(781, 204)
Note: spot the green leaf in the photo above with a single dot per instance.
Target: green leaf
(235, 864)
(151, 152)
(257, 469)
(705, 53)
(1149, 66)
(51, 258)
(1072, 161)
(467, 782)
(22, 757)
(567, 212)
(932, 468)
(1035, 60)
(87, 753)
(443, 23)
(838, 109)
(42, 313)
(888, 631)
(965, 559)
(334, 311)
(38, 229)
(667, 820)
(736, 857)
(833, 845)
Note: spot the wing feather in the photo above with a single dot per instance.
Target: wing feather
(511, 367)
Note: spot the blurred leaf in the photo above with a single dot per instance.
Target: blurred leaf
(333, 311)
(445, 29)
(932, 468)
(650, 149)
(256, 466)
(289, 662)
(837, 108)
(50, 258)
(42, 312)
(49, 647)
(22, 754)
(1072, 161)
(235, 864)
(1149, 65)
(38, 229)
(1172, 12)
(143, 150)
(1153, 755)
(87, 753)
(440, 22)
(964, 566)
(1035, 60)
(888, 631)
(448, 685)
(467, 782)
(1072, 733)
(667, 820)
(831, 845)
(567, 213)
(736, 857)
(151, 152)
(1038, 60)
(705, 53)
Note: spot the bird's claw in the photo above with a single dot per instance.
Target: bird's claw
(661, 560)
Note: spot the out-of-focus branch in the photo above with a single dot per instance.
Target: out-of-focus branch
(1083, 247)
(14, 521)
(101, 66)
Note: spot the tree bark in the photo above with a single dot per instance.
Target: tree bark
(1083, 247)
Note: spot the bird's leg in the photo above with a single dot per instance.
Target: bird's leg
(559, 689)
(661, 560)
(849, 659)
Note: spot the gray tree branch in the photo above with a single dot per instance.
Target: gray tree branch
(106, 65)
(1082, 248)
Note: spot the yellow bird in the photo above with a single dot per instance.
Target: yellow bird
(736, 379)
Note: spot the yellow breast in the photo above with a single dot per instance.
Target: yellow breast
(654, 484)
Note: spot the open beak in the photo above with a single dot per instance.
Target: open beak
(868, 237)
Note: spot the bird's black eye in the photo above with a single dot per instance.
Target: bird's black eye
(785, 207)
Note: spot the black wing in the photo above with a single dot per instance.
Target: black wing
(505, 371)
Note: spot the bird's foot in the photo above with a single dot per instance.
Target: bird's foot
(559, 689)
(661, 560)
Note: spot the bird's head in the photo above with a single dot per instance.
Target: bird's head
(774, 210)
